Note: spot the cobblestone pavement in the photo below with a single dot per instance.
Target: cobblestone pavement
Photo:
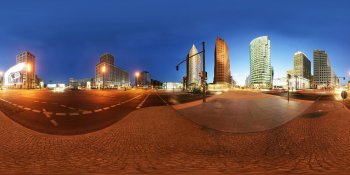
(317, 142)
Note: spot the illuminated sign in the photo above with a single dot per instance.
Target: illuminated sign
(14, 76)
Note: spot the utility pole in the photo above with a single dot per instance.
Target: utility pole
(288, 77)
(204, 75)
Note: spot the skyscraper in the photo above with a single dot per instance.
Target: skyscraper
(324, 75)
(28, 75)
(260, 63)
(108, 74)
(193, 68)
(302, 65)
(222, 72)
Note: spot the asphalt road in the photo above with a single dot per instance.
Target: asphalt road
(74, 111)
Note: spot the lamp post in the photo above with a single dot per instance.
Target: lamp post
(137, 74)
(28, 69)
(1, 78)
(103, 70)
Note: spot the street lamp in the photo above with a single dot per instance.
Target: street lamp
(29, 69)
(103, 69)
(137, 74)
(1, 74)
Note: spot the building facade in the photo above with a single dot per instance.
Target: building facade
(302, 65)
(144, 79)
(22, 75)
(324, 75)
(109, 75)
(28, 75)
(260, 63)
(193, 69)
(222, 71)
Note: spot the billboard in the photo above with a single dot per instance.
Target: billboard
(14, 76)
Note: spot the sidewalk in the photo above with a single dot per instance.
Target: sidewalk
(243, 111)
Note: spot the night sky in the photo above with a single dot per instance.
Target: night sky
(68, 36)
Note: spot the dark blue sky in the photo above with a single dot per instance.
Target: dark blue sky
(69, 36)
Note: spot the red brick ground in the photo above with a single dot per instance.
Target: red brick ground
(158, 140)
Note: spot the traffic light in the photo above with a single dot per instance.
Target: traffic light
(177, 68)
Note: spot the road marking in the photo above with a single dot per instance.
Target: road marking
(37, 111)
(61, 114)
(53, 122)
(106, 108)
(43, 102)
(20, 106)
(74, 113)
(98, 110)
(71, 108)
(47, 115)
(35, 101)
(113, 106)
(63, 105)
(162, 99)
(144, 100)
(28, 109)
(87, 112)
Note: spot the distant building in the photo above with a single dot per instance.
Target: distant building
(113, 75)
(247, 81)
(193, 69)
(22, 75)
(324, 75)
(280, 83)
(222, 72)
(144, 79)
(156, 84)
(172, 86)
(84, 83)
(260, 63)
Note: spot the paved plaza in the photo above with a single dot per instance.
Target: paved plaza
(243, 111)
(159, 140)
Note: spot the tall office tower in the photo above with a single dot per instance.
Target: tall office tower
(108, 74)
(193, 68)
(222, 72)
(260, 63)
(29, 73)
(302, 65)
(324, 75)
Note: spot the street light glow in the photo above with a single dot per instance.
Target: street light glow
(137, 74)
(103, 69)
(29, 67)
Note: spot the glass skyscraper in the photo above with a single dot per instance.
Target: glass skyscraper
(260, 63)
(193, 68)
(222, 72)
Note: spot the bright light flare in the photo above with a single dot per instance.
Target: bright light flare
(103, 69)
(137, 74)
(29, 67)
(337, 93)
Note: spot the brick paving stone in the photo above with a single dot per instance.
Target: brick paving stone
(167, 143)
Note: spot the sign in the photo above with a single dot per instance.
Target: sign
(344, 94)
(15, 75)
